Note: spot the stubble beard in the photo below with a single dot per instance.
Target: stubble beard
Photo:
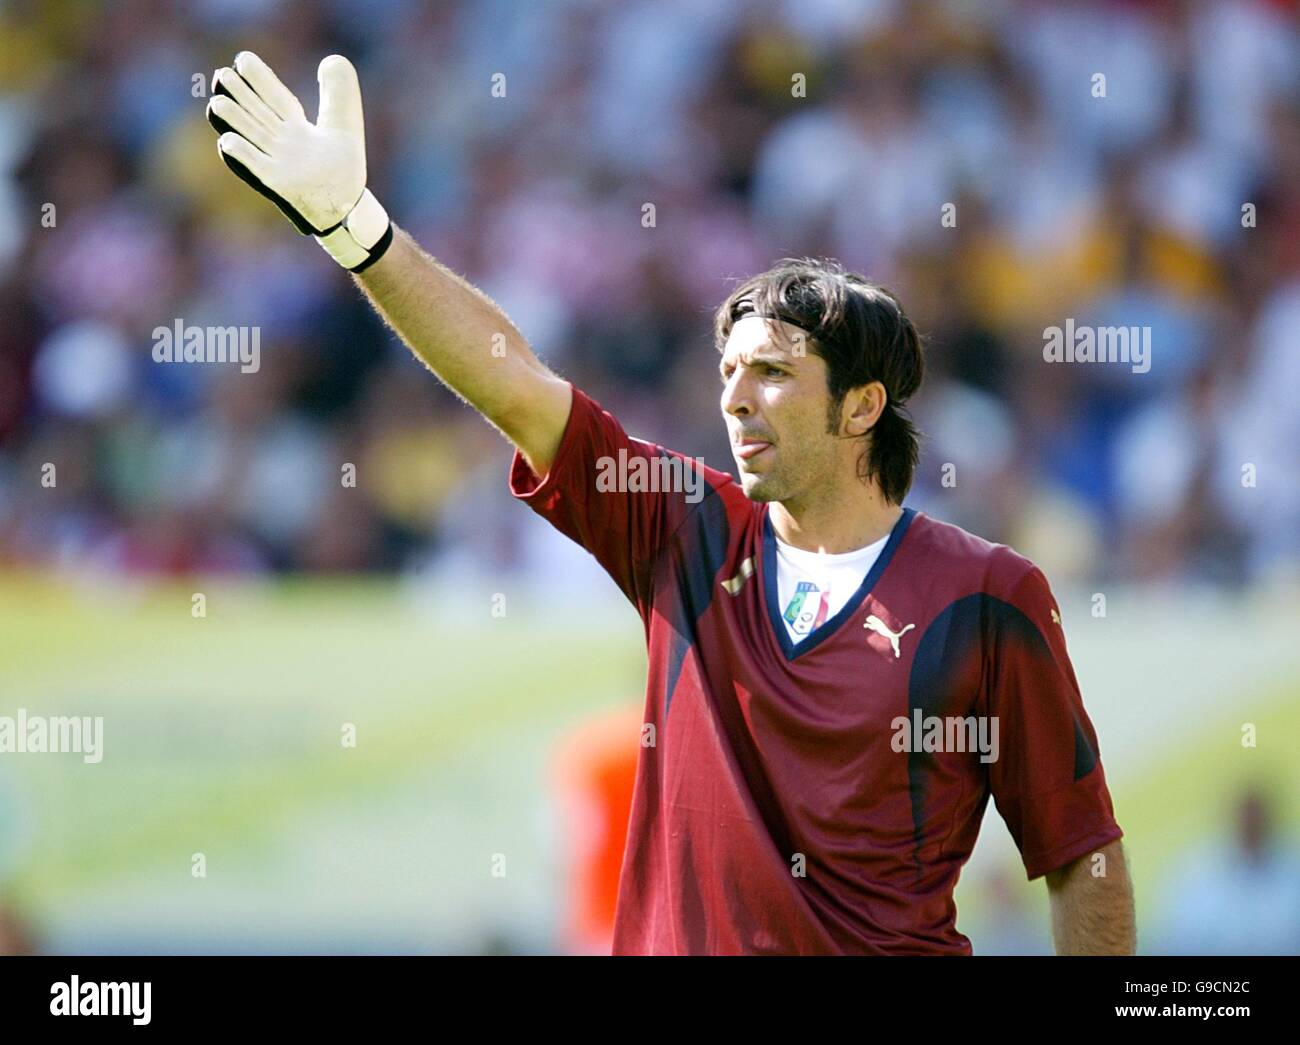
(760, 488)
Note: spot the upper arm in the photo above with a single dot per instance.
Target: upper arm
(620, 498)
(1091, 898)
(536, 423)
(1106, 859)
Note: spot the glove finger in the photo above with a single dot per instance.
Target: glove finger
(256, 162)
(268, 86)
(249, 165)
(226, 115)
(340, 96)
(228, 82)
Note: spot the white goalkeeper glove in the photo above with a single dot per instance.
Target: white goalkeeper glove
(314, 172)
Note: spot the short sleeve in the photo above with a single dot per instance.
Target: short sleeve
(619, 497)
(1047, 781)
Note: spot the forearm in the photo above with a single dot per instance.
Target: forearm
(460, 334)
(1093, 913)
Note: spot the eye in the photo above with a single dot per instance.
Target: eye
(774, 371)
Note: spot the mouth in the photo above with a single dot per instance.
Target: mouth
(750, 448)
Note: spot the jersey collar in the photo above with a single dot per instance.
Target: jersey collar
(828, 628)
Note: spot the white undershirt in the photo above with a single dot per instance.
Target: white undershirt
(828, 582)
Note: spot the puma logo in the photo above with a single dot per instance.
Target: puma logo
(877, 625)
(1056, 617)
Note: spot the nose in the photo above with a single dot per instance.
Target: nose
(736, 395)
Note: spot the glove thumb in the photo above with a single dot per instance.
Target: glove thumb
(340, 96)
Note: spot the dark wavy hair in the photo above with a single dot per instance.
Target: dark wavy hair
(862, 333)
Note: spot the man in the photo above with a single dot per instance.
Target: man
(836, 683)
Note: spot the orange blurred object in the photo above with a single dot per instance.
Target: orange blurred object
(593, 774)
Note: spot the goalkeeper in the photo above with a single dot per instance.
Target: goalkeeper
(837, 684)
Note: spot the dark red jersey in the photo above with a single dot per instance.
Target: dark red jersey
(780, 806)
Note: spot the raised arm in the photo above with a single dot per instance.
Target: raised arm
(463, 337)
(316, 174)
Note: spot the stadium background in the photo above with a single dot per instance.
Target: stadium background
(373, 605)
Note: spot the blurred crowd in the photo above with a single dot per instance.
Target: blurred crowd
(1164, 193)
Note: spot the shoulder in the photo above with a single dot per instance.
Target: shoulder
(645, 463)
(975, 563)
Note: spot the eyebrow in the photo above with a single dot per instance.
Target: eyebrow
(759, 359)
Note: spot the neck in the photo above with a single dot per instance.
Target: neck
(837, 521)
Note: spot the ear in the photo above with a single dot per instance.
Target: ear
(863, 407)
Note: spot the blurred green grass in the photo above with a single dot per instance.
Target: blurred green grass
(220, 730)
